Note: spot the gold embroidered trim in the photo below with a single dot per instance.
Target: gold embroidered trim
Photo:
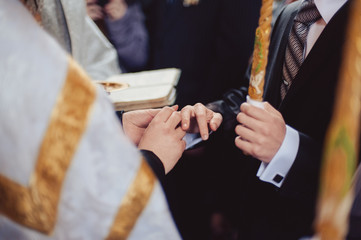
(36, 206)
(133, 203)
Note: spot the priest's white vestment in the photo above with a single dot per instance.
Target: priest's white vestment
(67, 171)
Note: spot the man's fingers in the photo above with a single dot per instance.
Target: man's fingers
(180, 132)
(164, 114)
(248, 121)
(244, 145)
(200, 112)
(174, 120)
(175, 107)
(186, 114)
(204, 118)
(153, 112)
(253, 111)
(216, 121)
(245, 133)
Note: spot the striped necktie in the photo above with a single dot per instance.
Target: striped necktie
(296, 47)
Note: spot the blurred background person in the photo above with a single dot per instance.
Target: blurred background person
(122, 21)
(68, 23)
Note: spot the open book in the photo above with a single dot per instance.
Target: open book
(140, 90)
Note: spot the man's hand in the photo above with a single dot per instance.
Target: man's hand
(135, 122)
(260, 132)
(164, 137)
(116, 9)
(200, 119)
(94, 11)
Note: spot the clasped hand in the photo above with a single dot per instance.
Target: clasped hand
(260, 131)
(162, 130)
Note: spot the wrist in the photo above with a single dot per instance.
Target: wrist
(155, 163)
(120, 115)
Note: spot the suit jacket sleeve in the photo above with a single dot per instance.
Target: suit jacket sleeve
(303, 179)
(229, 105)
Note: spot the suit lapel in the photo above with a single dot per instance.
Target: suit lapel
(276, 55)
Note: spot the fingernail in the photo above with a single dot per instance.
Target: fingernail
(205, 137)
(184, 125)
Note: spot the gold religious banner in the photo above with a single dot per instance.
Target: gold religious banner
(341, 147)
(260, 52)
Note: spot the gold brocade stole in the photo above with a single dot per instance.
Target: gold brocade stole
(341, 147)
(35, 206)
(133, 203)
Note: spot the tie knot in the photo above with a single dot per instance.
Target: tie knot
(308, 13)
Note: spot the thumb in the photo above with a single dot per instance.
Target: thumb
(153, 112)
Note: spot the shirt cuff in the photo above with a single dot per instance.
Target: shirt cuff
(192, 139)
(276, 170)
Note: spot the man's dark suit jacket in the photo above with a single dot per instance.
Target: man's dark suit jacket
(269, 212)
